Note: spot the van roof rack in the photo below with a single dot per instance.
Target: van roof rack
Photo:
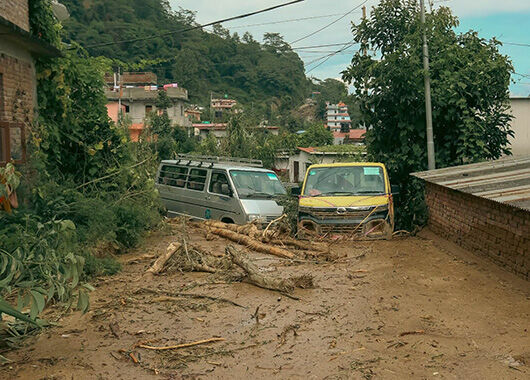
(220, 160)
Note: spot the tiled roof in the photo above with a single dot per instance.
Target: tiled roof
(354, 134)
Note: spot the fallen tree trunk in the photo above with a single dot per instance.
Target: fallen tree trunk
(254, 277)
(252, 231)
(246, 229)
(252, 243)
(159, 264)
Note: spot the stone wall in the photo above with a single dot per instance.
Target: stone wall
(495, 230)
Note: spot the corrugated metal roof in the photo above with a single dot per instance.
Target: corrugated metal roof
(506, 180)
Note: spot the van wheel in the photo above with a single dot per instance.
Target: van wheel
(227, 221)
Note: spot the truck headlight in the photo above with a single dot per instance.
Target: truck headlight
(255, 218)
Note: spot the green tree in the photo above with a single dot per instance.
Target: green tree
(470, 80)
(316, 135)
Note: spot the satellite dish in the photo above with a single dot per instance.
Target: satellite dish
(60, 11)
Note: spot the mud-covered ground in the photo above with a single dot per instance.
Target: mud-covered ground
(408, 308)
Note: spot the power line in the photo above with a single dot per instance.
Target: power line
(331, 23)
(346, 46)
(515, 44)
(195, 27)
(285, 21)
(318, 46)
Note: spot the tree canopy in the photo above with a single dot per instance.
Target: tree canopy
(469, 79)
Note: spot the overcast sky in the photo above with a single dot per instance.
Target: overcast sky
(508, 20)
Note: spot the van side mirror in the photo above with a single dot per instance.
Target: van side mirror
(296, 191)
(394, 189)
(225, 189)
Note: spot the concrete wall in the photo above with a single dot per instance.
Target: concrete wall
(520, 109)
(15, 11)
(495, 230)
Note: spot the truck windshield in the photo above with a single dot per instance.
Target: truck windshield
(253, 184)
(345, 180)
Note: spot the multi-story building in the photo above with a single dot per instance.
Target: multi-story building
(136, 102)
(220, 107)
(338, 119)
(18, 86)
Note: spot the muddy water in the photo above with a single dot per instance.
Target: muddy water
(411, 308)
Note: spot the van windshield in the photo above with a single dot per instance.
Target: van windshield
(253, 184)
(345, 180)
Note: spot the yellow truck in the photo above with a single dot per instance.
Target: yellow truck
(352, 199)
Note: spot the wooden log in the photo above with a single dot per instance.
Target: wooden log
(254, 277)
(159, 264)
(245, 229)
(252, 231)
(252, 243)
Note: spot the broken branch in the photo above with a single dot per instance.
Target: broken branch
(158, 265)
(184, 345)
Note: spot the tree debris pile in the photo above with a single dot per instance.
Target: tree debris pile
(235, 265)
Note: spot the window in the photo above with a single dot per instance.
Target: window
(173, 176)
(218, 114)
(217, 181)
(12, 143)
(148, 109)
(181, 110)
(196, 179)
(127, 109)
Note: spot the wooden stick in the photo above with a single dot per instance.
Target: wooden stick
(191, 295)
(158, 266)
(184, 345)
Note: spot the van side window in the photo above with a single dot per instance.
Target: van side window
(197, 179)
(216, 182)
(173, 176)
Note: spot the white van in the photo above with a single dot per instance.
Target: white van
(228, 189)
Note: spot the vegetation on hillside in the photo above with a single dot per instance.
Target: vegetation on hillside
(269, 75)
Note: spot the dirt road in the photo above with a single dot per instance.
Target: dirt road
(408, 308)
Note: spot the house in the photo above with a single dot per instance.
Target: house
(353, 136)
(294, 165)
(135, 100)
(520, 109)
(338, 119)
(193, 113)
(485, 208)
(220, 107)
(18, 86)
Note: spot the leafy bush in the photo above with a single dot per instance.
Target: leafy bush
(39, 262)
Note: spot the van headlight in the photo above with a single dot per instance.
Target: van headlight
(255, 218)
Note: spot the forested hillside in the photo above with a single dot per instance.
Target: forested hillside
(262, 74)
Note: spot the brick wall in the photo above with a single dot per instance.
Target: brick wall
(495, 230)
(15, 11)
(17, 89)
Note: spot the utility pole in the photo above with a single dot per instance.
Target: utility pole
(364, 18)
(428, 108)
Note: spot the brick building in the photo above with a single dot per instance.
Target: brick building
(484, 208)
(18, 50)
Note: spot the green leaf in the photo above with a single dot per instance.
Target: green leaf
(39, 300)
(83, 301)
(9, 310)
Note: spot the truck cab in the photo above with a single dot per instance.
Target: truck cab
(352, 199)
